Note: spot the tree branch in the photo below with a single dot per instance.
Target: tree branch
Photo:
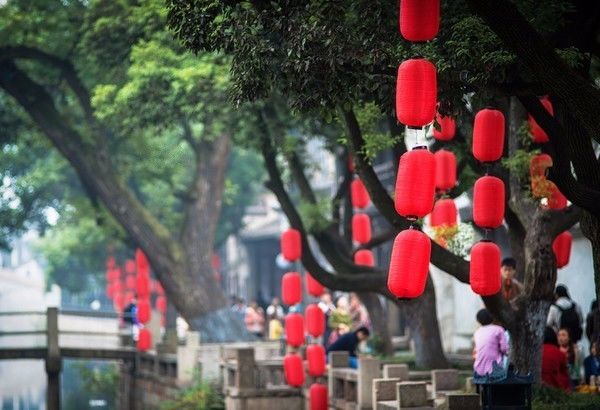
(370, 280)
(440, 257)
(65, 67)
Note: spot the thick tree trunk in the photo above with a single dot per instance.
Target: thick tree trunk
(421, 314)
(183, 267)
(528, 336)
(379, 322)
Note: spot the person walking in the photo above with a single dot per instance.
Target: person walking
(565, 314)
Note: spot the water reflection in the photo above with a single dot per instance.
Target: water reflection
(22, 385)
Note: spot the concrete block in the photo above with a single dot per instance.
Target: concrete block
(411, 394)
(384, 390)
(458, 401)
(470, 386)
(444, 379)
(338, 359)
(395, 371)
(368, 369)
(244, 375)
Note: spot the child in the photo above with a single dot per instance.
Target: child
(571, 350)
(275, 327)
(591, 364)
(491, 346)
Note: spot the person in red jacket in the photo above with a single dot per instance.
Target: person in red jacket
(554, 363)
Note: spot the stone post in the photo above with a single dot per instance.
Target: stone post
(368, 369)
(187, 358)
(53, 360)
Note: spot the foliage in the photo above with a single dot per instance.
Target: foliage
(201, 396)
(314, 216)
(152, 98)
(89, 381)
(549, 398)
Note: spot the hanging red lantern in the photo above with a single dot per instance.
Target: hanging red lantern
(144, 342)
(484, 274)
(318, 397)
(445, 170)
(364, 257)
(416, 92)
(444, 213)
(141, 262)
(562, 248)
(142, 285)
(117, 286)
(409, 264)
(129, 296)
(130, 266)
(118, 301)
(315, 320)
(293, 370)
(361, 228)
(130, 282)
(315, 354)
(110, 262)
(144, 310)
(294, 329)
(113, 275)
(157, 288)
(415, 183)
(109, 290)
(488, 135)
(447, 127)
(359, 195)
(419, 19)
(313, 286)
(488, 202)
(556, 200)
(161, 304)
(537, 133)
(291, 288)
(291, 244)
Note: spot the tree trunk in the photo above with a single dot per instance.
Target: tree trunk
(528, 336)
(379, 322)
(421, 314)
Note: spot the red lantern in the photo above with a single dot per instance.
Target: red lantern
(157, 288)
(488, 202)
(447, 128)
(142, 285)
(110, 262)
(537, 133)
(291, 288)
(129, 295)
(142, 262)
(361, 228)
(144, 342)
(358, 194)
(117, 286)
(130, 266)
(488, 135)
(444, 213)
(556, 200)
(416, 92)
(445, 170)
(291, 244)
(113, 275)
(484, 274)
(318, 397)
(315, 354)
(313, 286)
(315, 320)
(293, 370)
(415, 183)
(409, 264)
(562, 248)
(294, 329)
(130, 282)
(143, 310)
(118, 301)
(161, 304)
(364, 257)
(419, 19)
(109, 290)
